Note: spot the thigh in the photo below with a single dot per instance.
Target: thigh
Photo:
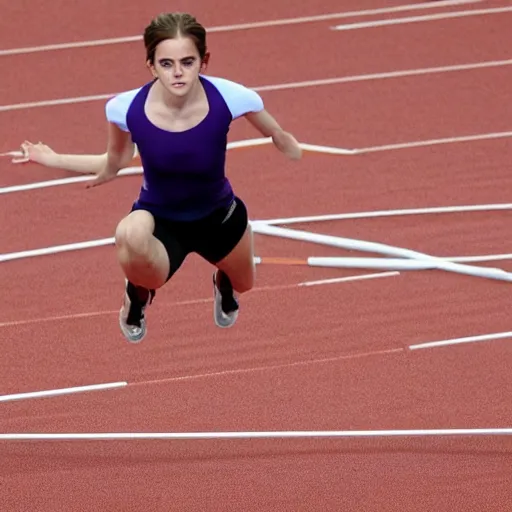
(176, 248)
(227, 243)
(239, 263)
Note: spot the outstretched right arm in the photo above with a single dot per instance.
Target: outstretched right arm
(43, 154)
(120, 148)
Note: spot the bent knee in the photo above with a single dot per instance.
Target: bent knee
(134, 234)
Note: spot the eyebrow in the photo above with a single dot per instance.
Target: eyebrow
(162, 59)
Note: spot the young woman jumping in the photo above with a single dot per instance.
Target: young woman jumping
(179, 122)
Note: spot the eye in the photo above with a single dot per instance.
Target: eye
(188, 62)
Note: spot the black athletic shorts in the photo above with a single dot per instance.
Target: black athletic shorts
(212, 237)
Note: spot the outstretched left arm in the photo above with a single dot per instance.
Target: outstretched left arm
(269, 127)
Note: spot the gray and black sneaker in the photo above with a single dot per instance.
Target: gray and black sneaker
(132, 313)
(225, 305)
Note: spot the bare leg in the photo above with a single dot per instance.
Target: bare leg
(145, 263)
(142, 257)
(238, 265)
(236, 272)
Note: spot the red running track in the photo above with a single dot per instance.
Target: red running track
(322, 357)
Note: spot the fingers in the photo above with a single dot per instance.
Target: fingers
(20, 160)
(100, 180)
(30, 152)
(21, 157)
(94, 183)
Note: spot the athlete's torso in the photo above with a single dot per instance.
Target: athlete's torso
(184, 171)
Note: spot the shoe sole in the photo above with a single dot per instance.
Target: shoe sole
(129, 337)
(221, 320)
(229, 322)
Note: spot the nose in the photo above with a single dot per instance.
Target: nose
(178, 70)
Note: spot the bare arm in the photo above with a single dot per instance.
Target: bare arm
(120, 151)
(85, 164)
(269, 127)
(44, 155)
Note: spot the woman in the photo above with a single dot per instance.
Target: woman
(179, 123)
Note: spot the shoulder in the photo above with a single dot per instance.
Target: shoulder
(117, 107)
(239, 98)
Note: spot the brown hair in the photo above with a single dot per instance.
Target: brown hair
(168, 26)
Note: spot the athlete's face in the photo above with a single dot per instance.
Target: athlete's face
(177, 65)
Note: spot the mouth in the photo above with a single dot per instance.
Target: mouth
(178, 85)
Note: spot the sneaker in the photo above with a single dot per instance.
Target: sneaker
(225, 305)
(132, 316)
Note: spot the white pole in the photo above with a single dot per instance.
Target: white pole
(389, 250)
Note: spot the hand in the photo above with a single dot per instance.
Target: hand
(287, 144)
(39, 153)
(101, 178)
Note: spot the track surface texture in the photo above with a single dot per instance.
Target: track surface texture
(428, 105)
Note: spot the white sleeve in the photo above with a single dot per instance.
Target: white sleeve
(239, 99)
(117, 108)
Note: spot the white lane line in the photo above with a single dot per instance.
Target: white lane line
(419, 19)
(328, 150)
(52, 103)
(336, 280)
(312, 261)
(389, 213)
(59, 318)
(89, 244)
(433, 142)
(91, 314)
(56, 249)
(192, 302)
(60, 392)
(286, 434)
(383, 75)
(245, 26)
(457, 341)
(52, 183)
(289, 85)
(114, 385)
(269, 368)
(308, 362)
(130, 171)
